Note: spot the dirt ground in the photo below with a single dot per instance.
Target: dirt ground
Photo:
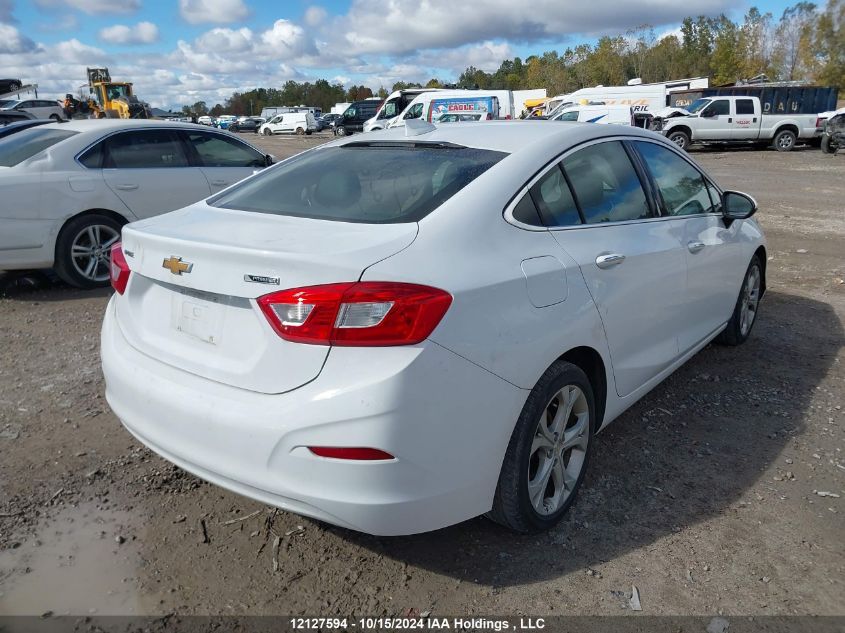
(723, 491)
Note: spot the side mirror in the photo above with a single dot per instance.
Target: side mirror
(738, 206)
(268, 160)
(708, 114)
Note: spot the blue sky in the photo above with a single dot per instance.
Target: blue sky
(180, 51)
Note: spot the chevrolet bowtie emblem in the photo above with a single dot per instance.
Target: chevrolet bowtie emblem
(176, 265)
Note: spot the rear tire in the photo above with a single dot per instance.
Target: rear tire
(784, 141)
(681, 139)
(746, 308)
(55, 117)
(548, 452)
(300, 131)
(83, 254)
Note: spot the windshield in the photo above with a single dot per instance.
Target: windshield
(698, 105)
(390, 109)
(375, 183)
(115, 92)
(558, 109)
(16, 148)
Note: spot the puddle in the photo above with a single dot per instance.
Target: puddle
(74, 566)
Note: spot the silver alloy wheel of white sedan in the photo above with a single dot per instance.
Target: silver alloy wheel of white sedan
(750, 300)
(558, 450)
(90, 250)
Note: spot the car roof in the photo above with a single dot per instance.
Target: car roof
(111, 125)
(512, 137)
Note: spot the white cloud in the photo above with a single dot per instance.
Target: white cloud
(676, 32)
(93, 7)
(141, 33)
(67, 22)
(13, 42)
(487, 56)
(213, 11)
(286, 40)
(315, 15)
(401, 27)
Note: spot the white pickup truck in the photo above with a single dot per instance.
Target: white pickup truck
(738, 120)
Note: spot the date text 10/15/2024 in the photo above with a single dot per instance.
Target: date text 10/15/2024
(417, 624)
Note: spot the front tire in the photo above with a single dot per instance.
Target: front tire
(680, 138)
(341, 131)
(827, 145)
(548, 452)
(267, 132)
(83, 250)
(785, 141)
(747, 304)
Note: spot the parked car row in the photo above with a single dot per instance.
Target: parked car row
(94, 176)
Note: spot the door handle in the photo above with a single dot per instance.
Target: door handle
(612, 259)
(126, 187)
(219, 183)
(694, 247)
(730, 120)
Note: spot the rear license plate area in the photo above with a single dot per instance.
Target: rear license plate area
(198, 315)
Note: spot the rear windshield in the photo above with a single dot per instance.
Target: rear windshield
(376, 183)
(16, 148)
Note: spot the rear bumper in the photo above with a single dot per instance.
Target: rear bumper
(447, 421)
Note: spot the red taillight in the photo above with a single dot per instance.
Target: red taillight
(820, 121)
(376, 313)
(118, 269)
(356, 453)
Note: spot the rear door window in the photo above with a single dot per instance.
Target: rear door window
(378, 183)
(145, 149)
(744, 106)
(606, 185)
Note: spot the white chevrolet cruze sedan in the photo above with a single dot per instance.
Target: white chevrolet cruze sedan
(68, 188)
(398, 334)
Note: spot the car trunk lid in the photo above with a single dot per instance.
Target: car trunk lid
(196, 274)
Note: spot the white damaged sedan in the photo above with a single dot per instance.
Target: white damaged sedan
(398, 334)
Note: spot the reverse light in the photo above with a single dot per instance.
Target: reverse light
(366, 313)
(353, 453)
(118, 268)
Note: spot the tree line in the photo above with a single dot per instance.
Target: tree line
(806, 43)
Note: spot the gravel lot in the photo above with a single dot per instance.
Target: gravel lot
(722, 491)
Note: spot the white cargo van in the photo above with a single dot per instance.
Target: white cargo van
(290, 123)
(430, 106)
(393, 106)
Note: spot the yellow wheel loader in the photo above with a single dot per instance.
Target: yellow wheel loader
(113, 99)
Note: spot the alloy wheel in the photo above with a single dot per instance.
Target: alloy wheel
(558, 450)
(750, 300)
(90, 251)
